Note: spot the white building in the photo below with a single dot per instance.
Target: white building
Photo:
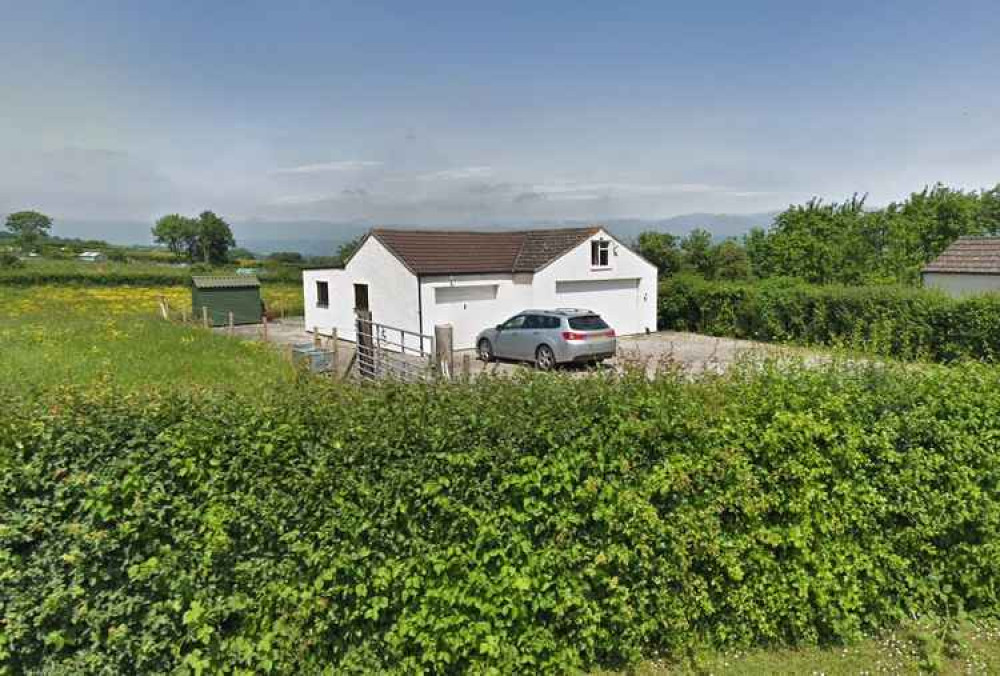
(969, 265)
(92, 257)
(417, 279)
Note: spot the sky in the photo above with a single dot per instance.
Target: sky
(468, 113)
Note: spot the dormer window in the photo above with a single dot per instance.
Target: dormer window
(600, 253)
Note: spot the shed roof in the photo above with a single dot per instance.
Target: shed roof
(443, 252)
(233, 282)
(971, 255)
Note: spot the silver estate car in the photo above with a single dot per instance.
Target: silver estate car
(549, 337)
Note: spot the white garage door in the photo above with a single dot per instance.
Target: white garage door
(617, 300)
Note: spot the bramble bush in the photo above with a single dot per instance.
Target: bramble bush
(541, 525)
(888, 320)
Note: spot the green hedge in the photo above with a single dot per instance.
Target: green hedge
(121, 274)
(542, 526)
(894, 321)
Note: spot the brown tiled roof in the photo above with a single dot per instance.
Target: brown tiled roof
(446, 252)
(969, 254)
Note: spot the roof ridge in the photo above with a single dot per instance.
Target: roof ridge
(466, 231)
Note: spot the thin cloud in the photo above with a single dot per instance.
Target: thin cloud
(460, 173)
(568, 190)
(342, 165)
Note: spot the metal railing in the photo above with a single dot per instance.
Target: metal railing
(385, 351)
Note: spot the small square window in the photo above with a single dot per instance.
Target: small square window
(600, 253)
(322, 294)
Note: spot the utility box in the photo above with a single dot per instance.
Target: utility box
(239, 295)
(315, 359)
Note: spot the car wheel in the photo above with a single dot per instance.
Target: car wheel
(485, 351)
(545, 358)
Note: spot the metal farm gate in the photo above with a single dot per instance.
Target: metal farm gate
(386, 352)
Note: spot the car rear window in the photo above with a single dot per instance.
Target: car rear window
(587, 323)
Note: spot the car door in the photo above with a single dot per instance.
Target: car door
(510, 337)
(534, 335)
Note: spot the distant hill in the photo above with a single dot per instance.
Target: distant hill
(317, 238)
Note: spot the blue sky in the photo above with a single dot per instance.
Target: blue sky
(456, 113)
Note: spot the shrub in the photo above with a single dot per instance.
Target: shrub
(9, 261)
(124, 274)
(545, 525)
(893, 321)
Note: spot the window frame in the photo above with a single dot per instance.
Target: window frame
(506, 325)
(322, 293)
(600, 253)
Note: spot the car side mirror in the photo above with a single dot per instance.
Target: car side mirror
(499, 327)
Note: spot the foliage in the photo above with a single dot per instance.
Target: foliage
(129, 274)
(214, 239)
(889, 320)
(347, 249)
(847, 243)
(9, 261)
(207, 238)
(694, 253)
(286, 257)
(662, 250)
(545, 525)
(178, 233)
(29, 227)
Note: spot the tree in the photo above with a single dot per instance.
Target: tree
(178, 233)
(214, 238)
(731, 261)
(292, 257)
(207, 238)
(242, 253)
(347, 249)
(661, 249)
(29, 227)
(697, 248)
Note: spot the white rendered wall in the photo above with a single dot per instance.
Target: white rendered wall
(623, 293)
(471, 303)
(392, 292)
(962, 284)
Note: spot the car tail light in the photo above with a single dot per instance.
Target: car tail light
(573, 335)
(610, 333)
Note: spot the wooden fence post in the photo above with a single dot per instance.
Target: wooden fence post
(365, 344)
(164, 308)
(232, 326)
(317, 339)
(444, 358)
(466, 367)
(204, 315)
(334, 350)
(265, 328)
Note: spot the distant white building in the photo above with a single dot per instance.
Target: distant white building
(416, 279)
(92, 257)
(970, 265)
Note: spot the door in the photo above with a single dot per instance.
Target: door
(616, 300)
(361, 297)
(511, 338)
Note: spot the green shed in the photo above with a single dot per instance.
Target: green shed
(222, 295)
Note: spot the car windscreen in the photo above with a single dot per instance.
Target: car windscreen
(587, 323)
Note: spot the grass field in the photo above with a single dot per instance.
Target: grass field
(973, 648)
(57, 335)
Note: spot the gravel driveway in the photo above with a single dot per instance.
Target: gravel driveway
(693, 353)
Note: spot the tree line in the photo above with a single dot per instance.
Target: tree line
(839, 242)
